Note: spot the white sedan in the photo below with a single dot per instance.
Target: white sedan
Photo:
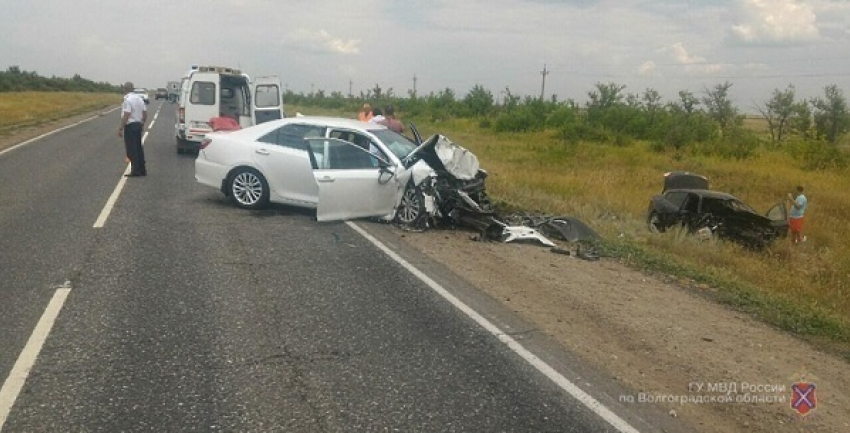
(343, 168)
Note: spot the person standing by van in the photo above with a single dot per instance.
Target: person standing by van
(134, 114)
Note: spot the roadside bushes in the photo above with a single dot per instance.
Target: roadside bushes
(817, 155)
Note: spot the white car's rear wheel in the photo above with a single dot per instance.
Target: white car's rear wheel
(248, 188)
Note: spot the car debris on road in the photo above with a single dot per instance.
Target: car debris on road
(450, 192)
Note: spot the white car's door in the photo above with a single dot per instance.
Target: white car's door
(353, 183)
(283, 156)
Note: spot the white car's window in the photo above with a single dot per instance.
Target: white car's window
(336, 154)
(360, 140)
(293, 135)
(398, 144)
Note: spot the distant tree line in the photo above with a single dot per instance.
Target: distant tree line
(708, 123)
(16, 80)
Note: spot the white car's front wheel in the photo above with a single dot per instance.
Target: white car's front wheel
(248, 188)
(411, 210)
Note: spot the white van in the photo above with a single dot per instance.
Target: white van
(207, 92)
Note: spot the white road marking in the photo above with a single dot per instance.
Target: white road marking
(573, 390)
(110, 203)
(21, 370)
(32, 140)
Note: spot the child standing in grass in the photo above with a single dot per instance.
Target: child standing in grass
(799, 202)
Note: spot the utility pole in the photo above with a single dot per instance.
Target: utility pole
(350, 83)
(414, 84)
(544, 73)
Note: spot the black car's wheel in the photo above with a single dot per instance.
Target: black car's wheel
(248, 188)
(411, 210)
(653, 222)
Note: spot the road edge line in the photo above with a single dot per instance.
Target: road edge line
(46, 134)
(565, 384)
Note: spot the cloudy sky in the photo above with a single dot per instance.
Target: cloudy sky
(335, 45)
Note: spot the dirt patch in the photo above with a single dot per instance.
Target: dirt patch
(656, 337)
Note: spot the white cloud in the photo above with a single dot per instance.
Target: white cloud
(648, 68)
(776, 21)
(694, 64)
(681, 55)
(321, 40)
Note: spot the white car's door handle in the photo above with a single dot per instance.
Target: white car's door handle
(262, 151)
(325, 179)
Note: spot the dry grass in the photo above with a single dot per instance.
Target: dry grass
(26, 109)
(804, 289)
(610, 187)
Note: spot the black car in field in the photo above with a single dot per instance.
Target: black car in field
(686, 201)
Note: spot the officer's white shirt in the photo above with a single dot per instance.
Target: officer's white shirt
(135, 105)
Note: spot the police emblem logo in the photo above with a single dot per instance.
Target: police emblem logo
(804, 397)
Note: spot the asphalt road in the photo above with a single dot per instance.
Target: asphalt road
(185, 313)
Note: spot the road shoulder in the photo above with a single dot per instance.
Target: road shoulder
(652, 336)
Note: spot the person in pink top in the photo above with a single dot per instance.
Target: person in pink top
(390, 121)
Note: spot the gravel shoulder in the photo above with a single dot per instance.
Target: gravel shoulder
(654, 335)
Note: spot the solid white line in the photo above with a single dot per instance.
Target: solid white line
(110, 203)
(53, 132)
(21, 370)
(576, 392)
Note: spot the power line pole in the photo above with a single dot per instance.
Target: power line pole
(414, 84)
(350, 83)
(544, 73)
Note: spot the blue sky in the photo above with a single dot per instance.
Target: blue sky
(666, 45)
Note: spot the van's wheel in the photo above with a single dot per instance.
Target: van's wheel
(248, 188)
(411, 211)
(181, 146)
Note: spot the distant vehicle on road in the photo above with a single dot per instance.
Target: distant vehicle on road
(209, 92)
(143, 93)
(161, 93)
(173, 91)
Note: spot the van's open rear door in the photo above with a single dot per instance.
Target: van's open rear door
(267, 101)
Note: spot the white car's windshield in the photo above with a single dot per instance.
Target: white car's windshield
(398, 144)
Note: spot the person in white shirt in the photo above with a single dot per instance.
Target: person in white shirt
(377, 116)
(134, 114)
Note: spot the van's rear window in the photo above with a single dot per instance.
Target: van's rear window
(268, 95)
(203, 93)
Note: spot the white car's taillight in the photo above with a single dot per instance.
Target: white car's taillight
(204, 143)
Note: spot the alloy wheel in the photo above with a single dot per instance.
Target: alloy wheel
(247, 189)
